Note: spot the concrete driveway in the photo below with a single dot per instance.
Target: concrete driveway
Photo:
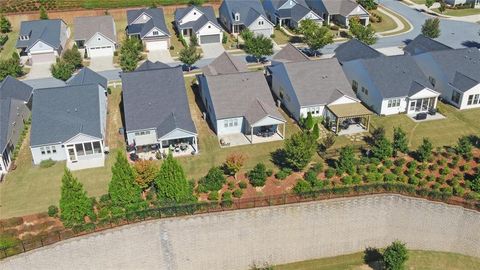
(212, 50)
(101, 63)
(39, 70)
(160, 55)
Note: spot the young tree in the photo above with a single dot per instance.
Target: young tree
(429, 3)
(395, 256)
(329, 141)
(475, 183)
(378, 133)
(258, 175)
(314, 35)
(424, 151)
(43, 13)
(299, 150)
(316, 132)
(172, 184)
(130, 54)
(234, 163)
(146, 171)
(443, 6)
(400, 142)
(73, 57)
(366, 34)
(246, 34)
(382, 149)
(196, 2)
(10, 67)
(309, 122)
(368, 4)
(346, 162)
(123, 189)
(189, 56)
(431, 28)
(5, 25)
(62, 70)
(464, 146)
(214, 180)
(74, 202)
(259, 47)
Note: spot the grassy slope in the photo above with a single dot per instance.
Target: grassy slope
(9, 47)
(419, 260)
(387, 23)
(459, 12)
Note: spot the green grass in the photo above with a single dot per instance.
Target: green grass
(9, 47)
(420, 2)
(386, 24)
(418, 260)
(407, 25)
(459, 12)
(174, 39)
(280, 37)
(440, 132)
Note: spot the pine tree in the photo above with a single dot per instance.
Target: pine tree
(346, 161)
(123, 189)
(5, 25)
(171, 182)
(316, 132)
(74, 202)
(73, 57)
(431, 28)
(309, 122)
(400, 142)
(424, 151)
(43, 13)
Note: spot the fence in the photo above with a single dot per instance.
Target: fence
(211, 207)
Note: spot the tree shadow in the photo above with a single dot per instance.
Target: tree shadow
(471, 44)
(373, 258)
(277, 157)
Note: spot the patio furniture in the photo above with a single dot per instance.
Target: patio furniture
(432, 111)
(133, 157)
(421, 116)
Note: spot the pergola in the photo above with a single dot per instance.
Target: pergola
(342, 112)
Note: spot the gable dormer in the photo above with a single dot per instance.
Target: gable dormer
(143, 18)
(288, 4)
(193, 15)
(236, 16)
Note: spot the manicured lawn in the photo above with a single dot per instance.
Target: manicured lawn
(406, 24)
(440, 132)
(419, 260)
(280, 37)
(231, 42)
(31, 189)
(174, 39)
(459, 12)
(386, 24)
(9, 46)
(420, 2)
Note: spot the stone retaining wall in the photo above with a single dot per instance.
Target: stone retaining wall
(280, 234)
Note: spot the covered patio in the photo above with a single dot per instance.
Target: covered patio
(350, 118)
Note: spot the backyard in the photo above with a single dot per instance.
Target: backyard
(418, 260)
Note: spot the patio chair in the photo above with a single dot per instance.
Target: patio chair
(421, 116)
(432, 111)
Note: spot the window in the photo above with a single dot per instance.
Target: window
(432, 80)
(99, 38)
(140, 133)
(88, 148)
(393, 103)
(456, 97)
(365, 90)
(42, 150)
(209, 26)
(470, 100)
(473, 99)
(97, 148)
(260, 22)
(155, 33)
(354, 85)
(230, 123)
(54, 150)
(79, 148)
(48, 150)
(237, 17)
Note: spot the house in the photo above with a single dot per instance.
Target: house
(289, 12)
(289, 53)
(423, 44)
(200, 22)
(15, 104)
(69, 123)
(391, 85)
(238, 15)
(321, 89)
(355, 49)
(339, 11)
(472, 3)
(42, 40)
(239, 105)
(455, 74)
(225, 64)
(157, 114)
(88, 76)
(96, 34)
(149, 26)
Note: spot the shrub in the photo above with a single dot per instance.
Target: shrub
(258, 176)
(214, 180)
(399, 162)
(213, 196)
(395, 256)
(317, 167)
(397, 170)
(3, 39)
(330, 172)
(458, 191)
(388, 163)
(381, 169)
(227, 200)
(372, 168)
(237, 193)
(441, 179)
(390, 177)
(433, 167)
(347, 180)
(356, 179)
(52, 211)
(413, 180)
(269, 172)
(105, 198)
(224, 38)
(310, 177)
(465, 168)
(242, 184)
(172, 47)
(430, 178)
(301, 187)
(47, 163)
(282, 174)
(231, 185)
(445, 171)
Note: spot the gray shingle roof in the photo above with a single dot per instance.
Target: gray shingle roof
(422, 44)
(156, 98)
(47, 31)
(463, 83)
(225, 64)
(157, 19)
(355, 49)
(244, 94)
(87, 27)
(249, 10)
(464, 61)
(152, 65)
(316, 82)
(13, 93)
(342, 7)
(208, 16)
(88, 76)
(395, 76)
(290, 53)
(60, 113)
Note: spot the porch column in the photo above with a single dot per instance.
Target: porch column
(283, 132)
(161, 148)
(368, 123)
(251, 134)
(195, 144)
(338, 124)
(101, 148)
(435, 103)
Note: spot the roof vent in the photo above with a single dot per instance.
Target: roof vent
(68, 110)
(76, 110)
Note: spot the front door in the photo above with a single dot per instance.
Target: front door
(71, 153)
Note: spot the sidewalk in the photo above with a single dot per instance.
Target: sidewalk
(398, 22)
(429, 11)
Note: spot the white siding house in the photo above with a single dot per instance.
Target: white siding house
(238, 15)
(96, 34)
(198, 21)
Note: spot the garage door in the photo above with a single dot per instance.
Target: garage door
(209, 39)
(43, 58)
(156, 45)
(100, 51)
(263, 32)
